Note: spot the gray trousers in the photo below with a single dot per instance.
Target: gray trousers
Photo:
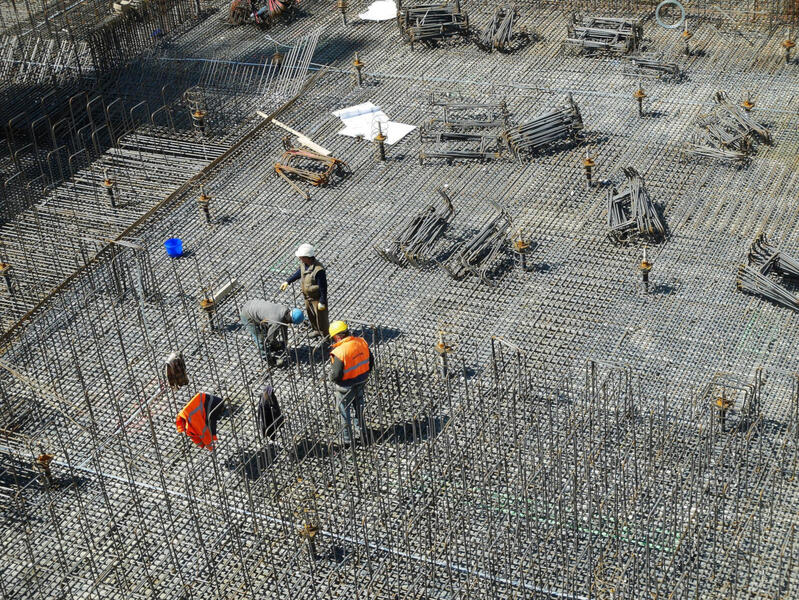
(350, 399)
(266, 347)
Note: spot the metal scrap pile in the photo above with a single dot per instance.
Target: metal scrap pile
(631, 213)
(432, 22)
(465, 131)
(263, 13)
(561, 123)
(477, 255)
(499, 33)
(416, 241)
(727, 133)
(764, 263)
(651, 65)
(305, 165)
(605, 34)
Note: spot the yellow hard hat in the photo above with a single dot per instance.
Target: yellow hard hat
(337, 327)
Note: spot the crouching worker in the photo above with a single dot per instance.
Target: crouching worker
(351, 363)
(267, 323)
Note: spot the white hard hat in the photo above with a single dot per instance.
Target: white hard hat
(305, 250)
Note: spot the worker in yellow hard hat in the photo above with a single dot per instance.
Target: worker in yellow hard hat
(351, 361)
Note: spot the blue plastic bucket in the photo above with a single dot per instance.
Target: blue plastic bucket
(174, 246)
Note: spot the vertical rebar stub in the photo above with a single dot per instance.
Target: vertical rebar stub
(380, 140)
(198, 118)
(639, 96)
(358, 67)
(5, 273)
(109, 184)
(588, 165)
(342, 7)
(645, 267)
(203, 203)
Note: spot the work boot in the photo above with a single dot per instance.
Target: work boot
(314, 334)
(280, 362)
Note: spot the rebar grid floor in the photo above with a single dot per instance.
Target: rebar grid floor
(519, 475)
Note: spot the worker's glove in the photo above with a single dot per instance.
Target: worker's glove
(284, 286)
(322, 306)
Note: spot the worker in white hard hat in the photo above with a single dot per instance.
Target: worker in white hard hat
(314, 287)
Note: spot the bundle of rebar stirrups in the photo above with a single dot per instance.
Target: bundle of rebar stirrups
(415, 242)
(631, 212)
(431, 22)
(764, 261)
(564, 122)
(604, 34)
(477, 254)
(727, 132)
(499, 34)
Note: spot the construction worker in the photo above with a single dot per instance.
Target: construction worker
(350, 365)
(267, 323)
(313, 281)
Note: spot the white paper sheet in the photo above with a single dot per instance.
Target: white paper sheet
(362, 121)
(382, 10)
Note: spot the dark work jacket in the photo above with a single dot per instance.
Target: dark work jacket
(269, 416)
(214, 408)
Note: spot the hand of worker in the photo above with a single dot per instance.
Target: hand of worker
(322, 306)
(283, 286)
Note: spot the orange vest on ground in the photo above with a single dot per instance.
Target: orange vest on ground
(192, 421)
(354, 353)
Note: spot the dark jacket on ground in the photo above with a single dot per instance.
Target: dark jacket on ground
(269, 416)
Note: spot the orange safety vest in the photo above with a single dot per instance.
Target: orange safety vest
(354, 353)
(191, 421)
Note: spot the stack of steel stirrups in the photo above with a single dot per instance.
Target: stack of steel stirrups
(465, 131)
(560, 123)
(477, 255)
(432, 22)
(499, 33)
(631, 213)
(652, 66)
(606, 34)
(727, 132)
(764, 261)
(413, 245)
